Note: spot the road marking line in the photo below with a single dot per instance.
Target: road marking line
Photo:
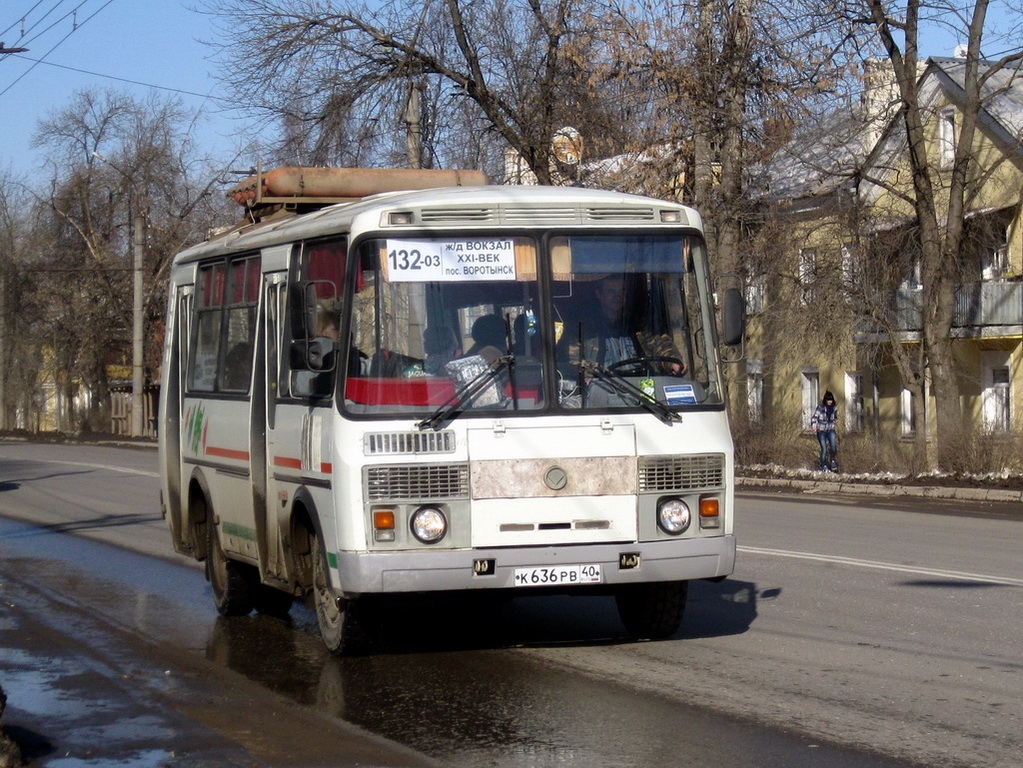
(983, 578)
(125, 470)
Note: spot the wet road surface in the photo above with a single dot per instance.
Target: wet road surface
(863, 625)
(107, 662)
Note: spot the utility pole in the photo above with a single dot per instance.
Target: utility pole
(11, 50)
(3, 344)
(414, 121)
(138, 298)
(137, 366)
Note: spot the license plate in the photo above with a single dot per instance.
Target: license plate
(558, 575)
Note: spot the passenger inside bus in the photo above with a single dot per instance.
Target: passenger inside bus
(237, 367)
(440, 347)
(616, 334)
(488, 336)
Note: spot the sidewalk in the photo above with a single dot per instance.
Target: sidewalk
(891, 490)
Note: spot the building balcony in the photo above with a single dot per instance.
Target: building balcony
(982, 310)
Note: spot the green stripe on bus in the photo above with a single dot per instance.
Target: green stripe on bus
(332, 559)
(233, 529)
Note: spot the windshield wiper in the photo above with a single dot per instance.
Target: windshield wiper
(465, 394)
(624, 387)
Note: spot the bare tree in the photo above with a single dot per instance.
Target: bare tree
(939, 199)
(117, 164)
(338, 73)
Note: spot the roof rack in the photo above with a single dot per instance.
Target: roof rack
(304, 189)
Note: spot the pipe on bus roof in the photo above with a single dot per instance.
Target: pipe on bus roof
(347, 183)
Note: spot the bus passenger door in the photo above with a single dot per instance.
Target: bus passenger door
(172, 427)
(301, 327)
(275, 287)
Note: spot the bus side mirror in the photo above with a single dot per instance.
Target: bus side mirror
(733, 326)
(318, 354)
(321, 353)
(314, 344)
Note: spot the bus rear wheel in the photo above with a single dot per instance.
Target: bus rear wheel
(337, 617)
(231, 582)
(652, 611)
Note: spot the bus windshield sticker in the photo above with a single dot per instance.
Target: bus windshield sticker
(680, 394)
(420, 261)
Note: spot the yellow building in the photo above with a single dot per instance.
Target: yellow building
(835, 281)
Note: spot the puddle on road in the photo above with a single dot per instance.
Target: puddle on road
(443, 684)
(445, 680)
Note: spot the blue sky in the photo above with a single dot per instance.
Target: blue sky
(125, 45)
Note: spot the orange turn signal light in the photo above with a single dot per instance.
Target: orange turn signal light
(710, 512)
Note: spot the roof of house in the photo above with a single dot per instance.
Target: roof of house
(825, 156)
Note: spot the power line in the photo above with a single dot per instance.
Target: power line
(26, 15)
(60, 42)
(129, 81)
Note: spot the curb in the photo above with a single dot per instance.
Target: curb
(999, 495)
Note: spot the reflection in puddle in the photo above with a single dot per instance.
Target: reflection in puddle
(446, 679)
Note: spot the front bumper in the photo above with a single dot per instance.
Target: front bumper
(443, 570)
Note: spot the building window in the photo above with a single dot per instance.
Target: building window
(907, 413)
(912, 279)
(854, 417)
(755, 293)
(850, 268)
(811, 386)
(997, 392)
(755, 390)
(947, 136)
(807, 273)
(994, 257)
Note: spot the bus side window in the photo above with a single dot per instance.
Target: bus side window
(224, 327)
(243, 285)
(315, 320)
(208, 306)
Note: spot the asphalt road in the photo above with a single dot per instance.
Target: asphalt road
(853, 633)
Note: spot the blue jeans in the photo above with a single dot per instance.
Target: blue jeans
(829, 445)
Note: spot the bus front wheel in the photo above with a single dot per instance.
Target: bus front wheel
(337, 617)
(652, 611)
(230, 581)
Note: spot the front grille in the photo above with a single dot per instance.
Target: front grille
(398, 443)
(406, 482)
(681, 473)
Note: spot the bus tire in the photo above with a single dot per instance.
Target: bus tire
(232, 582)
(337, 617)
(652, 611)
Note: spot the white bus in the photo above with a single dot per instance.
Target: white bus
(434, 387)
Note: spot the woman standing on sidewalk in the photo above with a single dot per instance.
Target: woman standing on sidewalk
(825, 423)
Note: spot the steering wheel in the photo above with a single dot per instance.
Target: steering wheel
(646, 365)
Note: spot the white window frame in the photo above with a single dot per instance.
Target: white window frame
(854, 412)
(755, 293)
(755, 390)
(996, 389)
(994, 260)
(947, 136)
(850, 269)
(810, 384)
(807, 273)
(907, 413)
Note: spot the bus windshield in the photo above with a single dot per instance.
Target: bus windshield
(606, 321)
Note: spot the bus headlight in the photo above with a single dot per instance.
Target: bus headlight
(673, 516)
(428, 524)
